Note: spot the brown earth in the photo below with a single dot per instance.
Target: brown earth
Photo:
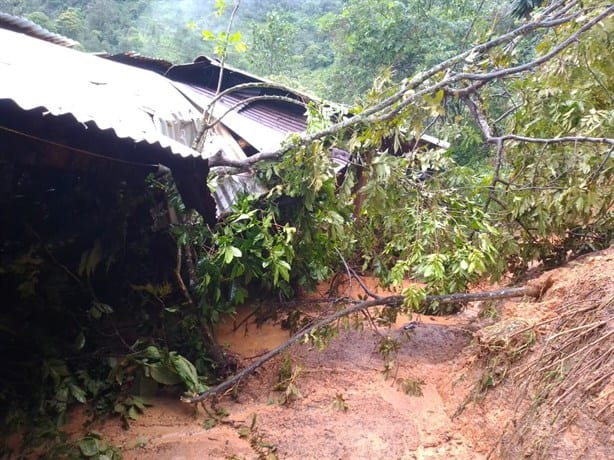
(348, 410)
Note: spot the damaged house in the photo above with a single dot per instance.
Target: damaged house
(77, 112)
(82, 136)
(86, 213)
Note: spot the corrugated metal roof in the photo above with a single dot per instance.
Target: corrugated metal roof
(134, 103)
(233, 73)
(228, 187)
(146, 107)
(138, 60)
(25, 26)
(264, 125)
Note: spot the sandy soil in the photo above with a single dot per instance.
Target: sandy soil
(347, 409)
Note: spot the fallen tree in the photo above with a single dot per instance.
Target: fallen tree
(542, 190)
(445, 77)
(394, 301)
(539, 193)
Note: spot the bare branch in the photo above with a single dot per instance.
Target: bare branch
(207, 115)
(546, 57)
(390, 302)
(352, 274)
(223, 57)
(602, 164)
(497, 74)
(553, 140)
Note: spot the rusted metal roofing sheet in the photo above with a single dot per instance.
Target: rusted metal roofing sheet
(228, 187)
(134, 103)
(264, 125)
(25, 26)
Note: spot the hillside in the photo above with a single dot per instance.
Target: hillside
(472, 396)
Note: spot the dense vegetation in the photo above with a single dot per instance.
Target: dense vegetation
(527, 178)
(334, 48)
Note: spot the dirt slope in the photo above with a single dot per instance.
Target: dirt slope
(347, 410)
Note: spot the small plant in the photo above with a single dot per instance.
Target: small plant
(264, 449)
(130, 408)
(286, 383)
(141, 442)
(388, 349)
(93, 446)
(411, 386)
(340, 403)
(488, 310)
(245, 431)
(215, 418)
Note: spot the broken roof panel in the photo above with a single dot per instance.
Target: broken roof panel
(264, 124)
(264, 127)
(138, 60)
(134, 103)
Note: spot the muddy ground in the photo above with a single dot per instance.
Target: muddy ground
(347, 409)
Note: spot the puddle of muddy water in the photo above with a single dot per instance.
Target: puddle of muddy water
(244, 335)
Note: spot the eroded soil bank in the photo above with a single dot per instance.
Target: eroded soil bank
(348, 410)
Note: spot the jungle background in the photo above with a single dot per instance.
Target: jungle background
(334, 49)
(95, 310)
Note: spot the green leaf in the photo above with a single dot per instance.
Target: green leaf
(219, 6)
(186, 370)
(208, 35)
(209, 423)
(230, 252)
(162, 374)
(241, 47)
(133, 413)
(234, 38)
(77, 393)
(89, 447)
(79, 341)
(151, 352)
(90, 260)
(119, 409)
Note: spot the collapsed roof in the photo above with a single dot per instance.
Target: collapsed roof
(68, 108)
(71, 109)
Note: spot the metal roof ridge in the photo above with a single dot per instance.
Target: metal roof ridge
(27, 27)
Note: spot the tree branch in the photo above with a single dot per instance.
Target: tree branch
(391, 302)
(220, 79)
(407, 94)
(552, 140)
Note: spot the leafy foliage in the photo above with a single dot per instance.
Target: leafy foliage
(443, 217)
(560, 196)
(73, 293)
